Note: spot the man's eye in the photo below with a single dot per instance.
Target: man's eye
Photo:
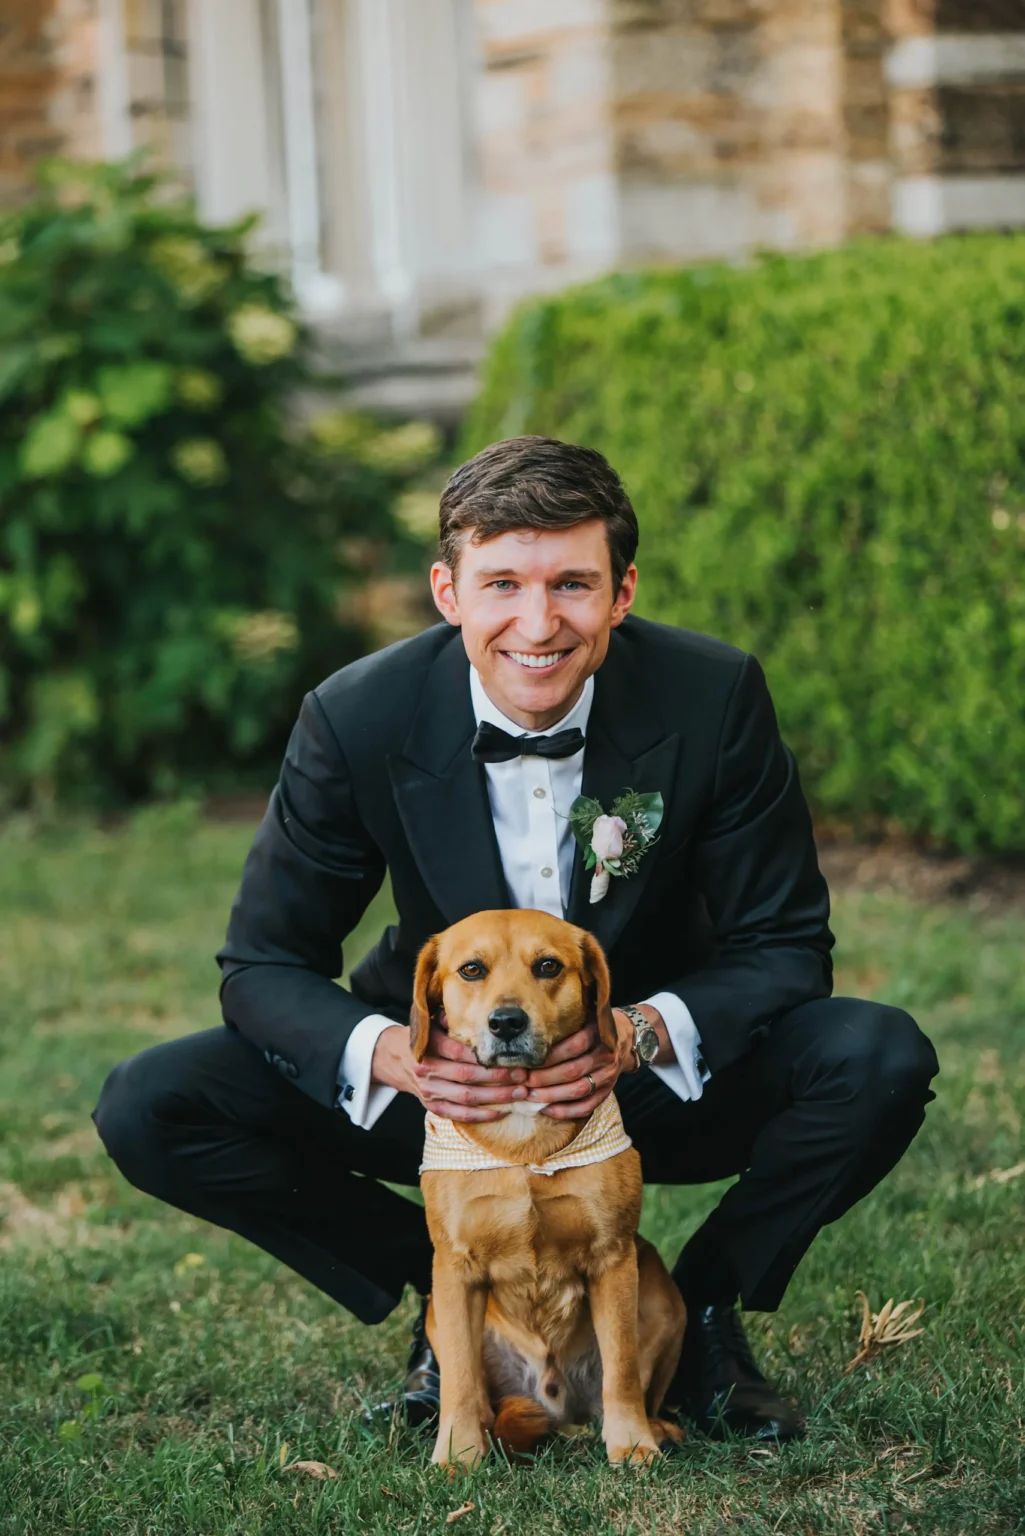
(473, 970)
(547, 967)
(573, 586)
(503, 586)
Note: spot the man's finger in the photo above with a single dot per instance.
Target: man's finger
(579, 1108)
(442, 1044)
(549, 1077)
(464, 1112)
(442, 1089)
(577, 1044)
(468, 1072)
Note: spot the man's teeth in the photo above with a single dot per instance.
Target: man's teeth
(526, 660)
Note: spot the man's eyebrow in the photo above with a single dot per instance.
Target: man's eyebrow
(572, 575)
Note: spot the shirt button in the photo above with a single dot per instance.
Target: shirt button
(546, 873)
(539, 793)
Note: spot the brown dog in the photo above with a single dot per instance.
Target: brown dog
(547, 1307)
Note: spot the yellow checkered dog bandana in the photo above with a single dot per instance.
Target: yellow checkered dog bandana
(448, 1147)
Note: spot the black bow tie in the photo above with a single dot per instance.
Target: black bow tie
(493, 745)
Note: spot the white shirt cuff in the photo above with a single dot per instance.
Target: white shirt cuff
(363, 1101)
(688, 1074)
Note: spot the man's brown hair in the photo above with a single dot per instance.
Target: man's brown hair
(540, 484)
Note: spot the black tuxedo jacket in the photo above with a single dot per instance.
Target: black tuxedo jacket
(728, 909)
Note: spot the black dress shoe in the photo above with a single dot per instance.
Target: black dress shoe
(420, 1400)
(718, 1385)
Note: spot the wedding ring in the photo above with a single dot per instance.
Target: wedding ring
(594, 1085)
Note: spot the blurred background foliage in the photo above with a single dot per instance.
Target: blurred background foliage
(827, 455)
(183, 549)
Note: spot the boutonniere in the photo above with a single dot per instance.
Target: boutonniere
(614, 844)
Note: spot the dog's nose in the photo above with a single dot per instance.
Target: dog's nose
(508, 1021)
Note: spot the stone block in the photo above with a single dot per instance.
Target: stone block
(915, 131)
(591, 218)
(916, 62)
(509, 22)
(686, 221)
(930, 205)
(868, 197)
(578, 71)
(507, 234)
(501, 102)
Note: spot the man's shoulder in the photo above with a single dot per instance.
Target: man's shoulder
(681, 652)
(389, 680)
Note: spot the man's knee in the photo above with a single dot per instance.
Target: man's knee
(873, 1053)
(128, 1126)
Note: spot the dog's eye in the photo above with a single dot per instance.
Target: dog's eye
(549, 966)
(473, 970)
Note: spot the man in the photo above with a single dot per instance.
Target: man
(451, 762)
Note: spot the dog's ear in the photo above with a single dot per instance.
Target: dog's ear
(596, 970)
(425, 994)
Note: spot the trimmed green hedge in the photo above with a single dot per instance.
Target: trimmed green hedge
(827, 456)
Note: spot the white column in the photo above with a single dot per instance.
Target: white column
(378, 23)
(230, 111)
(319, 292)
(115, 119)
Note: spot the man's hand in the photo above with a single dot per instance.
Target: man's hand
(581, 1072)
(449, 1081)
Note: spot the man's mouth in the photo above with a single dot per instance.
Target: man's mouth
(535, 661)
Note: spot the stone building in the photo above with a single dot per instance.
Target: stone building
(420, 164)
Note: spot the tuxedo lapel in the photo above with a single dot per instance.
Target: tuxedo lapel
(442, 796)
(627, 748)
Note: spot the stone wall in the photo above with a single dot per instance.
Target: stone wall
(49, 87)
(544, 140)
(28, 75)
(650, 130)
(956, 78)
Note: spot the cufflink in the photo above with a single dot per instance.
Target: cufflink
(348, 1093)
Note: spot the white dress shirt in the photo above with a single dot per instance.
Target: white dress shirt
(530, 799)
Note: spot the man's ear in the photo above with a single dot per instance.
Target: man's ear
(596, 971)
(425, 994)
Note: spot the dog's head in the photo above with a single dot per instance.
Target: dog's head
(510, 986)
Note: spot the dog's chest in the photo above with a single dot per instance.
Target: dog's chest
(512, 1227)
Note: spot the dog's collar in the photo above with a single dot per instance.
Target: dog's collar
(448, 1148)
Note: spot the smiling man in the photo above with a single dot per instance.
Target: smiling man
(451, 762)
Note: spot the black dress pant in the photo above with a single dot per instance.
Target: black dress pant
(811, 1119)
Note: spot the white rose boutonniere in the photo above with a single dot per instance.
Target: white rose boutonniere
(614, 842)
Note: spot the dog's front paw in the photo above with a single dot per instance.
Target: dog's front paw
(627, 1447)
(459, 1447)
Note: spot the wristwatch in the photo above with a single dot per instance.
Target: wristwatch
(645, 1037)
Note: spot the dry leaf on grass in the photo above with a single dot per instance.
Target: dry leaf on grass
(457, 1514)
(998, 1176)
(881, 1329)
(318, 1469)
(189, 1261)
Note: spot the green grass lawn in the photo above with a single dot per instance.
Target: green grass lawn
(156, 1374)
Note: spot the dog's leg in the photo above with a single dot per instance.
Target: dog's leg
(661, 1322)
(613, 1297)
(459, 1307)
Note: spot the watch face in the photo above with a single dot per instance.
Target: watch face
(647, 1043)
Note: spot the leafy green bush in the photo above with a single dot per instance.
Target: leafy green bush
(172, 544)
(827, 456)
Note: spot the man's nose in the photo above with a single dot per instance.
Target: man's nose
(508, 1021)
(539, 619)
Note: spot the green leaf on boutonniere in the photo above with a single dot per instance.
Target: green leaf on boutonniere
(583, 814)
(633, 807)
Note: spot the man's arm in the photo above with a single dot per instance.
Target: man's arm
(757, 867)
(311, 873)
